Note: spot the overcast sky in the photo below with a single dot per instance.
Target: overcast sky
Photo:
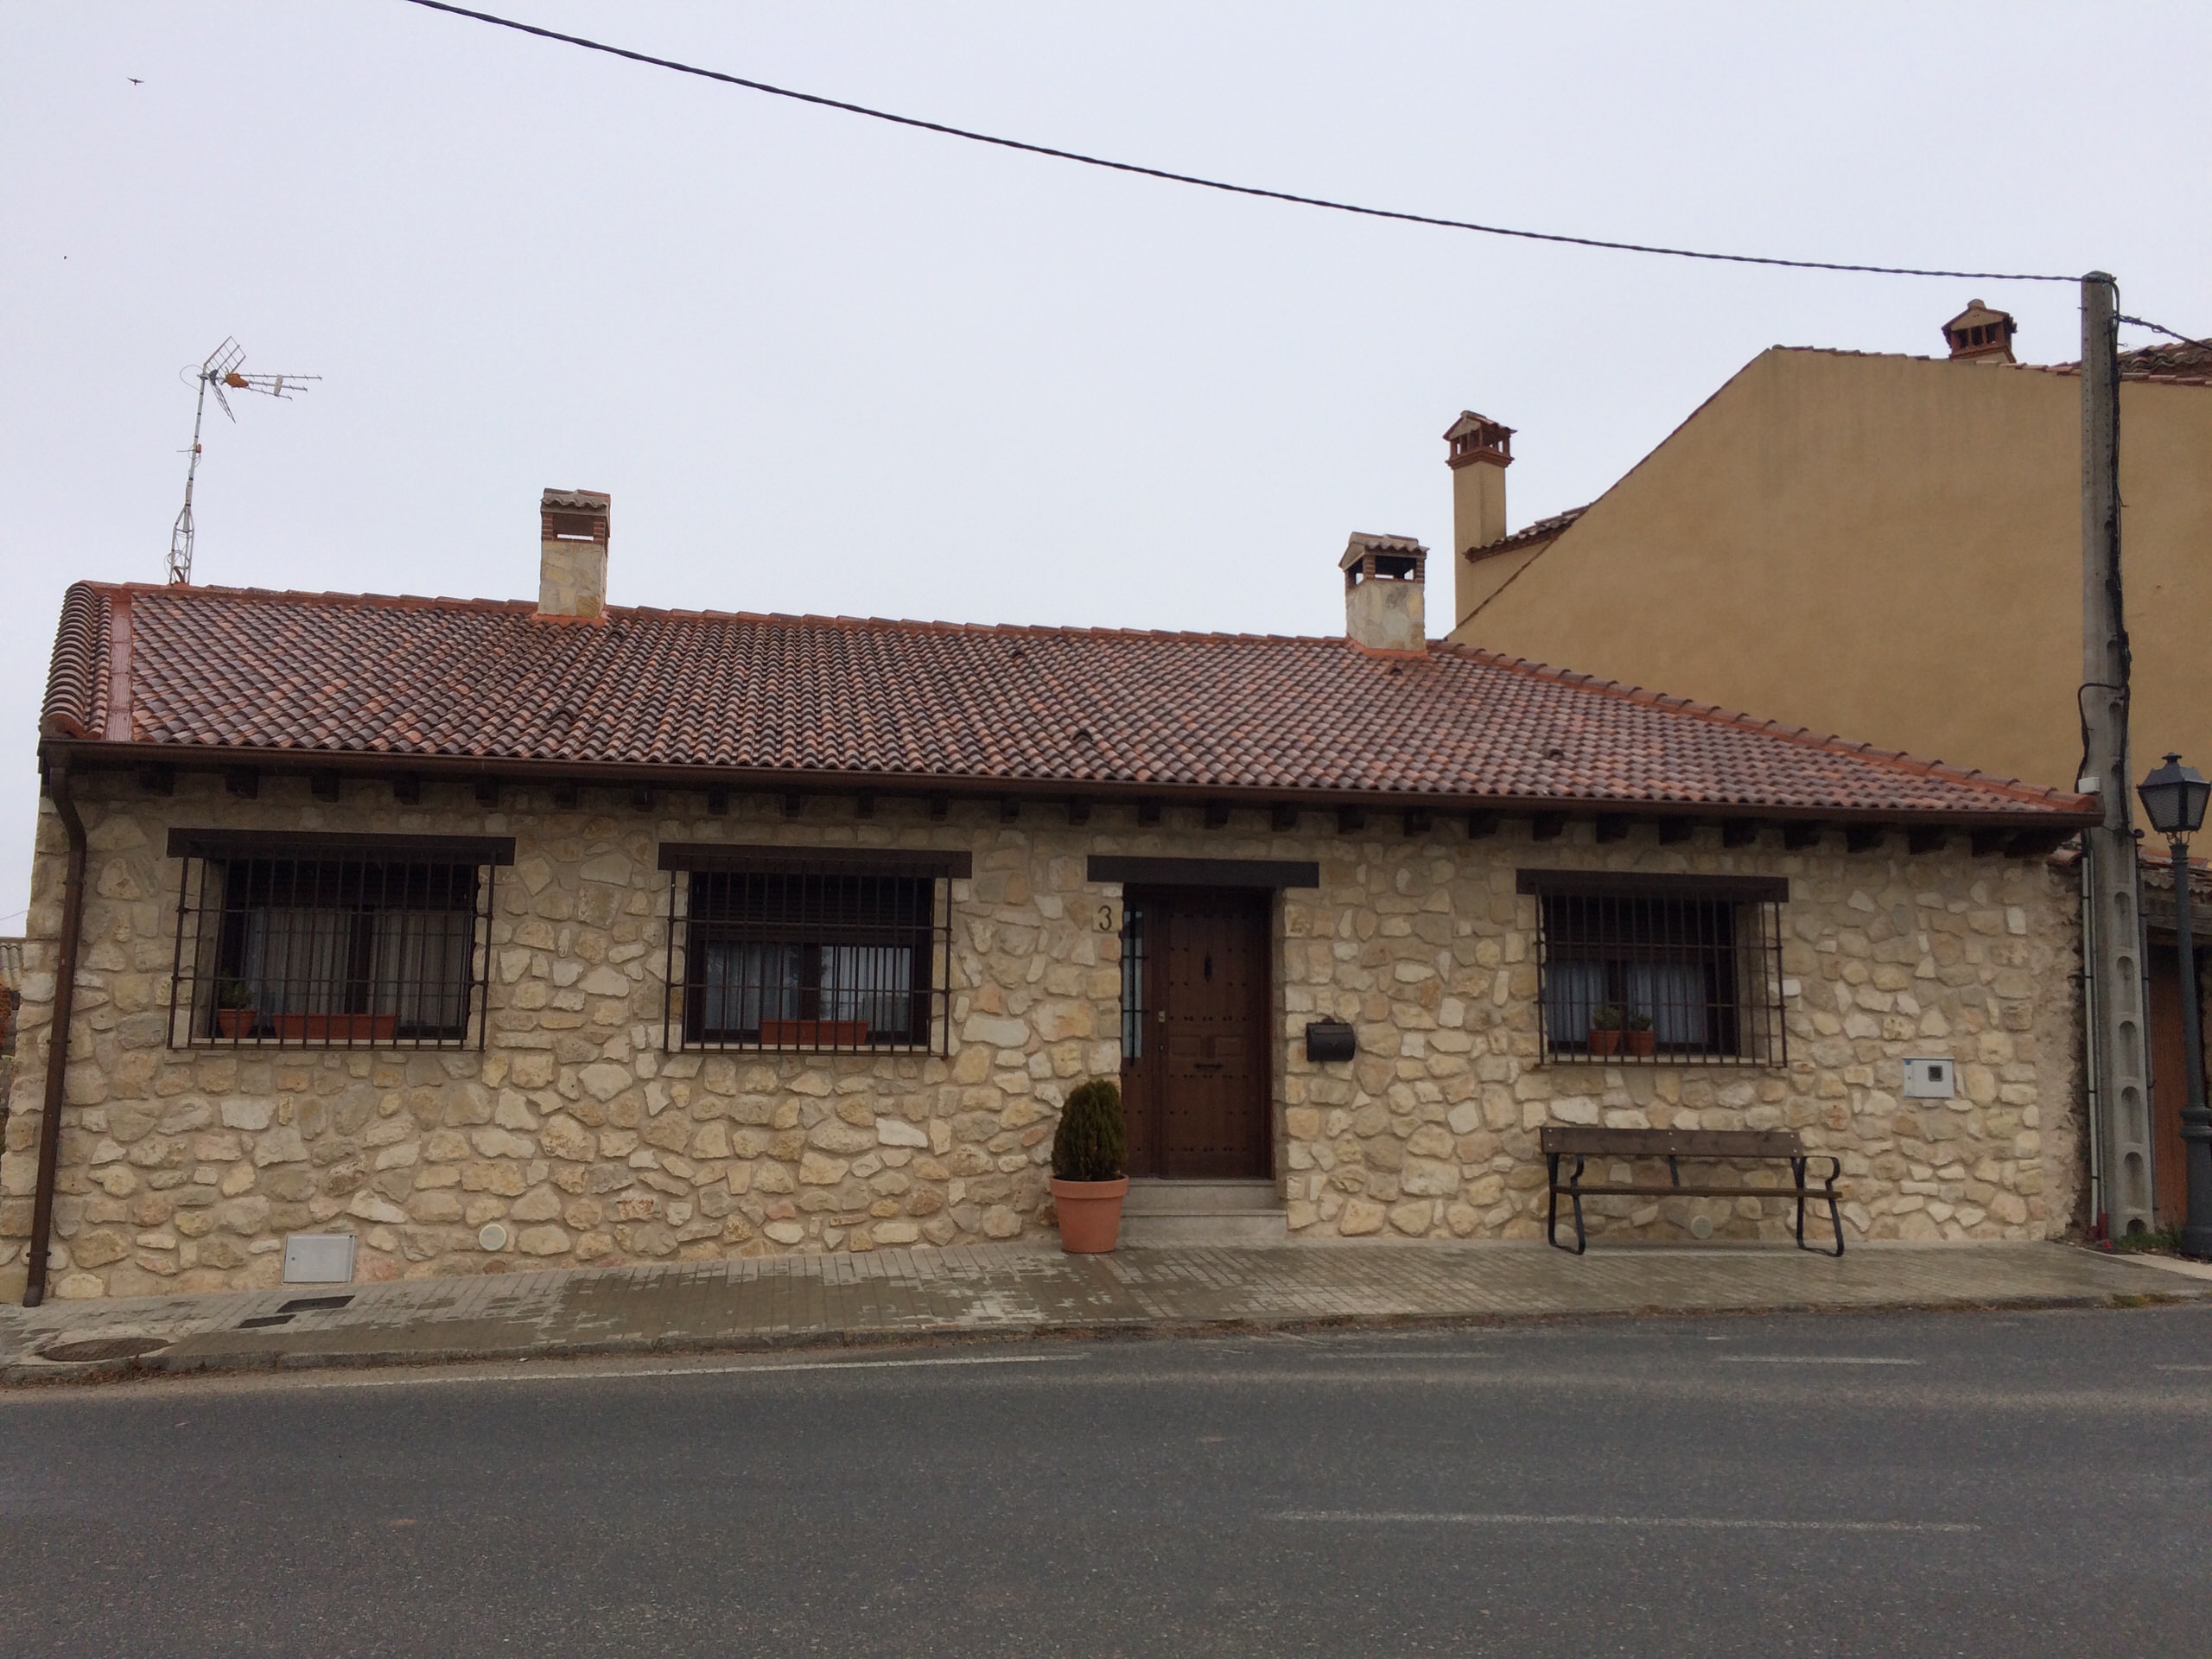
(825, 365)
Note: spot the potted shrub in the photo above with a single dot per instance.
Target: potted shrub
(235, 1014)
(1090, 1168)
(1606, 1022)
(1639, 1039)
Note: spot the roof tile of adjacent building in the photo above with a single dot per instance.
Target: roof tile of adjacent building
(1542, 530)
(227, 675)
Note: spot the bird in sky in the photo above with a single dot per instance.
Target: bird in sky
(134, 80)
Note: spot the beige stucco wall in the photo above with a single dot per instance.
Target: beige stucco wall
(183, 1168)
(1891, 548)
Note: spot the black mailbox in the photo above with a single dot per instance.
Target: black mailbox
(1330, 1039)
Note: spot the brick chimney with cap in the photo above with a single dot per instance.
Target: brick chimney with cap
(572, 556)
(1383, 609)
(1981, 333)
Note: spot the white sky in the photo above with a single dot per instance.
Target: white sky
(825, 365)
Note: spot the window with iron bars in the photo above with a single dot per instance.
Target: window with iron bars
(1658, 968)
(306, 941)
(773, 948)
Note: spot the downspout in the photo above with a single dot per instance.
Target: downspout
(57, 1041)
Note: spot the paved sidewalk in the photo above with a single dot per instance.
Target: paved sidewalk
(907, 1295)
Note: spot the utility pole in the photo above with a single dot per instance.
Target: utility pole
(2113, 912)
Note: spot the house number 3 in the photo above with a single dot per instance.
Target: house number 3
(1105, 918)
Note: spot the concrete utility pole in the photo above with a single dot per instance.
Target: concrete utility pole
(2113, 912)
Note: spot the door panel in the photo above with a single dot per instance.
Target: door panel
(1198, 1089)
(2169, 1083)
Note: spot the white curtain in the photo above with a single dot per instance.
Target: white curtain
(747, 984)
(422, 966)
(1572, 991)
(296, 959)
(1673, 994)
(868, 982)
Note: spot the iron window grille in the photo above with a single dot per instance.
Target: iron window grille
(318, 941)
(824, 949)
(1651, 969)
(1133, 955)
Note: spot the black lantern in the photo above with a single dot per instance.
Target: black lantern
(2175, 797)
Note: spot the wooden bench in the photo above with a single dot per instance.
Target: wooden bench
(1674, 1145)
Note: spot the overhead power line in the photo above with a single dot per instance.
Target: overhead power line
(1296, 199)
(2161, 328)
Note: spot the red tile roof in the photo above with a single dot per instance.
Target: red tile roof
(230, 674)
(1543, 529)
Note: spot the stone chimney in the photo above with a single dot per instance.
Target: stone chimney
(572, 556)
(1481, 451)
(1383, 594)
(1981, 333)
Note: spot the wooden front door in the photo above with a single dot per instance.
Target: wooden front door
(1195, 1057)
(2169, 1078)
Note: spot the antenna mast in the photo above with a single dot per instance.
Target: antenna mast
(220, 370)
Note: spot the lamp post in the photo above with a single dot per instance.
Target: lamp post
(2174, 797)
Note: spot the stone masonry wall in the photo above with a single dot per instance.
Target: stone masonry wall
(1431, 1132)
(183, 1168)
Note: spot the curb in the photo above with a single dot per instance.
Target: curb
(22, 1375)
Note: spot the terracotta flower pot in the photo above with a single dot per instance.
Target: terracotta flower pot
(1642, 1044)
(1605, 1043)
(1090, 1214)
(235, 1022)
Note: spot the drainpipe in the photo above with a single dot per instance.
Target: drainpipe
(57, 1041)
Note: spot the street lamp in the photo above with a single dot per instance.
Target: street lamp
(2174, 795)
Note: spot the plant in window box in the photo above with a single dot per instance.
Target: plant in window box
(1090, 1169)
(235, 1014)
(1606, 1022)
(1639, 1039)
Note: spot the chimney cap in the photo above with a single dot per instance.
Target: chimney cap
(1477, 437)
(575, 500)
(573, 515)
(1363, 544)
(1980, 331)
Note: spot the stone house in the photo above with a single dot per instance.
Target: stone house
(482, 934)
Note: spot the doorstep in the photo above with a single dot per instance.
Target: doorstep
(1170, 1214)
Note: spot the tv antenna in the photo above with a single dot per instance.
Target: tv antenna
(220, 370)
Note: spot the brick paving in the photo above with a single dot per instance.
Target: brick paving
(998, 1291)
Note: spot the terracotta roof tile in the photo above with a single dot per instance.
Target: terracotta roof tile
(1542, 530)
(363, 675)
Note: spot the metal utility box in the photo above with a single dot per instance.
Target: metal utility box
(1330, 1039)
(318, 1258)
(1930, 1079)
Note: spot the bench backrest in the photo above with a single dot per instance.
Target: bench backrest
(1672, 1143)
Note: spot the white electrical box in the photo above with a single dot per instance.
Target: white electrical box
(1930, 1079)
(318, 1258)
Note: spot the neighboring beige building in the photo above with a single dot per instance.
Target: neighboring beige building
(473, 935)
(1884, 546)
(1887, 546)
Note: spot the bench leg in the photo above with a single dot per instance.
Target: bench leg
(1551, 1218)
(1797, 1168)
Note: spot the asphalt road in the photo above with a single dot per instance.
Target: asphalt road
(1922, 1485)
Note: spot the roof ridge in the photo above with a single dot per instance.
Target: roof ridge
(803, 619)
(1831, 743)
